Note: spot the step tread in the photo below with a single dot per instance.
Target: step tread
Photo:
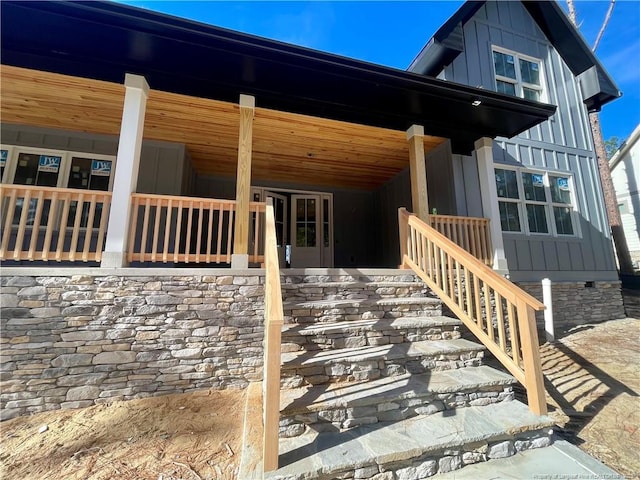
(388, 389)
(379, 352)
(369, 325)
(355, 302)
(318, 454)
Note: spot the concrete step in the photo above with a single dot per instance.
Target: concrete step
(336, 407)
(414, 448)
(372, 332)
(371, 362)
(310, 311)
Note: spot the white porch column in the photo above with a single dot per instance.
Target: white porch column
(240, 255)
(418, 171)
(489, 193)
(126, 174)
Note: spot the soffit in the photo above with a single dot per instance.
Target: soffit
(287, 147)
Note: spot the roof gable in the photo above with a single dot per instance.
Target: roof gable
(598, 88)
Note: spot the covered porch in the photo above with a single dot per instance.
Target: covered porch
(336, 186)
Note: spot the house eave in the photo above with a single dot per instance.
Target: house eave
(104, 40)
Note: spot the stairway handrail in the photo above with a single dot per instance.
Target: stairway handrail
(442, 264)
(273, 320)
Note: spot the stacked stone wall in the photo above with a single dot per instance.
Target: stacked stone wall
(578, 303)
(75, 341)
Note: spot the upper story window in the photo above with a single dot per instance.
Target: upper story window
(518, 75)
(535, 202)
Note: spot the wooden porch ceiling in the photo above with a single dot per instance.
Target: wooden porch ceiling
(287, 147)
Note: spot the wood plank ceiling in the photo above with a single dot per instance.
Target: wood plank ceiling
(287, 147)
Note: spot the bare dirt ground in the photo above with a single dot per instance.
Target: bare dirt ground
(188, 437)
(592, 378)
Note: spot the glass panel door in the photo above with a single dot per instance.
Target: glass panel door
(306, 225)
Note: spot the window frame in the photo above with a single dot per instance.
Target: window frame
(548, 204)
(14, 151)
(519, 84)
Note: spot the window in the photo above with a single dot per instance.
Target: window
(517, 74)
(534, 202)
(53, 168)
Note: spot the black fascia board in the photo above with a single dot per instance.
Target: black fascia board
(103, 41)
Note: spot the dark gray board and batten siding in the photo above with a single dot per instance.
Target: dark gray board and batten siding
(561, 144)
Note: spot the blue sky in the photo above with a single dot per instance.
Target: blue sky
(392, 33)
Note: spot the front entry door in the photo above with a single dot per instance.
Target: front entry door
(305, 231)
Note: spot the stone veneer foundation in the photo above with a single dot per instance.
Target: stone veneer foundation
(76, 340)
(578, 303)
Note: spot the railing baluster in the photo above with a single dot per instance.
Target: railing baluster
(488, 311)
(133, 229)
(6, 233)
(459, 285)
(500, 314)
(156, 232)
(104, 218)
(199, 235)
(219, 246)
(76, 227)
(176, 243)
(476, 294)
(53, 213)
(24, 214)
(187, 244)
(145, 229)
(36, 225)
(88, 231)
(62, 233)
(230, 232)
(209, 233)
(514, 334)
(167, 232)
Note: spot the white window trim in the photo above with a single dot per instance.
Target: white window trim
(65, 163)
(549, 203)
(519, 84)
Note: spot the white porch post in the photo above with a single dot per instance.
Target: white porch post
(240, 255)
(418, 171)
(126, 174)
(489, 193)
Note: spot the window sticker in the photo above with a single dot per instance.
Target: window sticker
(537, 180)
(3, 157)
(510, 59)
(563, 183)
(100, 168)
(49, 163)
